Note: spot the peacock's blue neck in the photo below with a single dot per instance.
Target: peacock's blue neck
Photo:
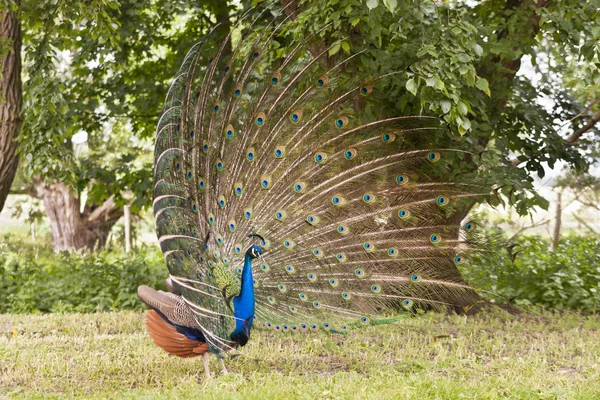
(243, 305)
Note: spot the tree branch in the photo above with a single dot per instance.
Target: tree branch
(589, 125)
(571, 140)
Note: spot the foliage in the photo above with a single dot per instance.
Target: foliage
(45, 282)
(567, 277)
(102, 68)
(459, 61)
(544, 356)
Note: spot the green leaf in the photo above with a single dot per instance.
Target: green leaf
(446, 105)
(371, 4)
(483, 85)
(346, 47)
(462, 107)
(411, 86)
(391, 5)
(335, 49)
(355, 21)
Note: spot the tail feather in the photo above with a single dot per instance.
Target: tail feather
(170, 340)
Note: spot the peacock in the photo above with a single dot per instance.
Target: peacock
(288, 198)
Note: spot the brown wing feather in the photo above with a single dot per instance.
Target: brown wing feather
(170, 340)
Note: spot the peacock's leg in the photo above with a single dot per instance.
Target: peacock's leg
(206, 367)
(224, 369)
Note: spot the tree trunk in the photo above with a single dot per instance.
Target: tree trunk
(11, 102)
(72, 230)
(127, 218)
(557, 221)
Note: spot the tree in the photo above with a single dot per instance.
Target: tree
(455, 60)
(101, 69)
(460, 61)
(11, 99)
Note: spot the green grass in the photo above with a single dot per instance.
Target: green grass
(109, 355)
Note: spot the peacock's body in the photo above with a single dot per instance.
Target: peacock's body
(286, 199)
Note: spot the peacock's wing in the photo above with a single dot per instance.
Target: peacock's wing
(354, 204)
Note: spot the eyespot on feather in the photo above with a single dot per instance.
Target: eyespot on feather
(229, 132)
(275, 78)
(434, 156)
(238, 189)
(300, 187)
(442, 200)
(343, 229)
(349, 154)
(290, 269)
(279, 152)
(341, 122)
(312, 219)
(231, 225)
(322, 80)
(237, 90)
(366, 90)
(265, 182)
(260, 119)
(341, 257)
(459, 259)
(402, 179)
(250, 154)
(320, 157)
(435, 238)
(407, 303)
(368, 198)
(403, 213)
(338, 200)
(296, 115)
(388, 137)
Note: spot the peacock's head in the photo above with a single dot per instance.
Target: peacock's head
(255, 251)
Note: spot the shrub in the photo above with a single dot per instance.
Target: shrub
(567, 277)
(33, 282)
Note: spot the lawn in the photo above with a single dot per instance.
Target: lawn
(109, 355)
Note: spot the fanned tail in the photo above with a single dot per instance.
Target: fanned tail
(356, 203)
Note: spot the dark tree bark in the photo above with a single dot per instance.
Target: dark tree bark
(72, 230)
(11, 104)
